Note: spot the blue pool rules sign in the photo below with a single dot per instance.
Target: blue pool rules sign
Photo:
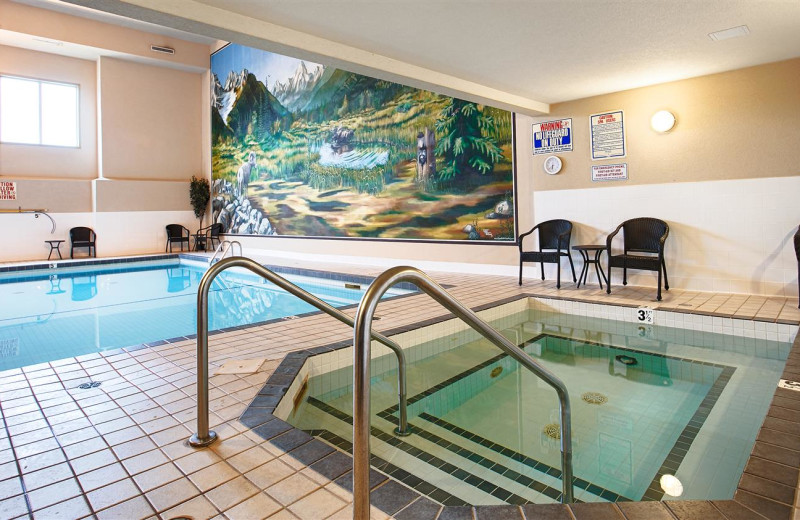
(552, 137)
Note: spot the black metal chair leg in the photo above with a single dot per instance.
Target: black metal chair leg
(625, 275)
(658, 295)
(666, 281)
(541, 265)
(558, 275)
(608, 280)
(571, 266)
(520, 269)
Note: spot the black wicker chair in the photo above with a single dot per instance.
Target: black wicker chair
(177, 234)
(82, 237)
(797, 254)
(204, 239)
(642, 239)
(553, 235)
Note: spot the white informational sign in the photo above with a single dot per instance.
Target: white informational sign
(552, 137)
(644, 315)
(610, 172)
(8, 190)
(607, 135)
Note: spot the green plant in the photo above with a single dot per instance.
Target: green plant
(199, 195)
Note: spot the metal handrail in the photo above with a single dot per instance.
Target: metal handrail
(224, 247)
(36, 213)
(361, 376)
(203, 436)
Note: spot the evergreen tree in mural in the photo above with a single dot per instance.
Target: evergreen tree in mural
(466, 140)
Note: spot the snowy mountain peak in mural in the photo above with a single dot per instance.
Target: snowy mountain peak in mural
(293, 93)
(302, 149)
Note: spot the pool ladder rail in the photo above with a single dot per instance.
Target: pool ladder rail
(361, 377)
(225, 247)
(204, 437)
(363, 336)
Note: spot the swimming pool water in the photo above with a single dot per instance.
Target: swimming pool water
(689, 404)
(58, 313)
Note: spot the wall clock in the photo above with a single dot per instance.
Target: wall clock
(552, 165)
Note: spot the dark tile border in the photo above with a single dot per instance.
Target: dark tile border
(66, 262)
(770, 446)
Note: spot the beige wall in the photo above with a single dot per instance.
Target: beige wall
(28, 161)
(150, 121)
(90, 34)
(734, 125)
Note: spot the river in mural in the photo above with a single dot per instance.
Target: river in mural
(306, 150)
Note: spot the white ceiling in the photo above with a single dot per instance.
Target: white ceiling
(545, 50)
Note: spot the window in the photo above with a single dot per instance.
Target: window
(38, 112)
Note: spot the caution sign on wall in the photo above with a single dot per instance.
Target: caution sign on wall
(8, 190)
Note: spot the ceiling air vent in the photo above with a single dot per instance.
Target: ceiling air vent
(727, 34)
(162, 50)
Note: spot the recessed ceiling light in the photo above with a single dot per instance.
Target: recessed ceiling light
(727, 34)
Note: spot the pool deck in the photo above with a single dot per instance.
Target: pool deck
(119, 450)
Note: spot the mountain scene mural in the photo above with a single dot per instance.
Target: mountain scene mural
(307, 150)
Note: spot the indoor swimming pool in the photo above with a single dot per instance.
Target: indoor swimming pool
(649, 403)
(51, 314)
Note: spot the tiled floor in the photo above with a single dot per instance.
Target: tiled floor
(119, 450)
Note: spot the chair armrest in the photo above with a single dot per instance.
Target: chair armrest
(519, 238)
(610, 238)
(565, 237)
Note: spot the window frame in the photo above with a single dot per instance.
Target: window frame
(39, 83)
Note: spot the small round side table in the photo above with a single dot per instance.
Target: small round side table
(55, 245)
(584, 251)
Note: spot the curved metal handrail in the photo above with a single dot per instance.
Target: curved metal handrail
(361, 376)
(204, 437)
(36, 213)
(224, 247)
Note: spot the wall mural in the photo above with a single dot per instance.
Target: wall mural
(306, 150)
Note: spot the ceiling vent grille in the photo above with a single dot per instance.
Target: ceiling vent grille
(162, 50)
(727, 34)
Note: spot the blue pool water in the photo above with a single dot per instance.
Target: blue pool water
(646, 402)
(58, 313)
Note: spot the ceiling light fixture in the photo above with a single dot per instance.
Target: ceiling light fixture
(662, 121)
(727, 34)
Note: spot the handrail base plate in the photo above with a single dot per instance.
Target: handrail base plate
(196, 442)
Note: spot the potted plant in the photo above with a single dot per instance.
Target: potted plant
(199, 195)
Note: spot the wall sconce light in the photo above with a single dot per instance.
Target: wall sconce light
(662, 121)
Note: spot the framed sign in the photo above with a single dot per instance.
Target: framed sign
(607, 135)
(552, 137)
(8, 190)
(610, 172)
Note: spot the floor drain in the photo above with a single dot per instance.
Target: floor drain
(90, 384)
(594, 398)
(552, 430)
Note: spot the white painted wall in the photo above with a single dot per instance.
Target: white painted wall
(118, 234)
(726, 236)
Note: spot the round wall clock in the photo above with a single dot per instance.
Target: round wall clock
(552, 165)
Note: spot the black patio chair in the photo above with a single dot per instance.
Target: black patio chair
(643, 248)
(206, 236)
(82, 237)
(797, 254)
(553, 235)
(177, 234)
